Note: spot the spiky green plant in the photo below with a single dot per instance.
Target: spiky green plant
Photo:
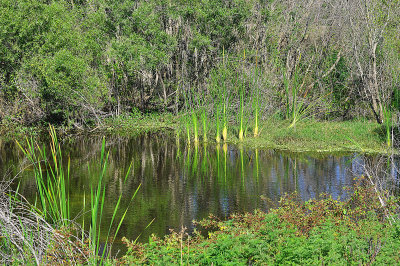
(225, 100)
(217, 123)
(241, 99)
(187, 124)
(225, 128)
(204, 120)
(195, 127)
(51, 178)
(296, 109)
(256, 98)
(97, 199)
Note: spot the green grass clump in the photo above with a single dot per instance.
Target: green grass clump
(53, 207)
(326, 231)
(274, 133)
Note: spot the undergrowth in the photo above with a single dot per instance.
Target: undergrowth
(326, 231)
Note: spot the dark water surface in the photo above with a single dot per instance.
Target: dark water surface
(180, 184)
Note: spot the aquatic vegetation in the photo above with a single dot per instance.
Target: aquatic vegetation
(296, 232)
(256, 101)
(187, 124)
(225, 128)
(195, 127)
(225, 100)
(97, 199)
(217, 123)
(52, 181)
(204, 120)
(241, 100)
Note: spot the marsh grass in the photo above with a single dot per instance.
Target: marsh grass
(52, 180)
(241, 100)
(195, 127)
(97, 199)
(256, 98)
(187, 124)
(204, 123)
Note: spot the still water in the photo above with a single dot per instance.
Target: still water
(180, 184)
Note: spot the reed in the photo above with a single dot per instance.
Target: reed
(225, 100)
(256, 103)
(52, 180)
(195, 127)
(241, 114)
(218, 150)
(217, 123)
(225, 150)
(296, 109)
(225, 128)
(187, 124)
(241, 99)
(204, 122)
(242, 163)
(204, 161)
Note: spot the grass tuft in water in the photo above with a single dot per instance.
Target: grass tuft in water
(52, 180)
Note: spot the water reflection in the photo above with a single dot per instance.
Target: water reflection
(180, 183)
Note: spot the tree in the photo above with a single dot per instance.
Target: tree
(367, 22)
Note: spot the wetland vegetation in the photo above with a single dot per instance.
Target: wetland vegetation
(206, 105)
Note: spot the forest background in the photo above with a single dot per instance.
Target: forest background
(77, 62)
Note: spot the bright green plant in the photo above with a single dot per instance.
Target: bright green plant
(217, 123)
(241, 99)
(225, 128)
(225, 100)
(97, 199)
(204, 122)
(195, 127)
(52, 179)
(296, 109)
(187, 124)
(256, 102)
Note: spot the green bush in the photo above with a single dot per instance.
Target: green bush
(356, 231)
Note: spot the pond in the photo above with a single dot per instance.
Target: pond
(181, 183)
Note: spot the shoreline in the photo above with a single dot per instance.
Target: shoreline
(308, 137)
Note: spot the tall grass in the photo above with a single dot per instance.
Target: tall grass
(217, 123)
(225, 100)
(52, 180)
(296, 108)
(97, 199)
(241, 99)
(225, 128)
(204, 122)
(256, 102)
(187, 124)
(195, 127)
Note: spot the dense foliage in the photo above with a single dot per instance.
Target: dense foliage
(325, 231)
(78, 61)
